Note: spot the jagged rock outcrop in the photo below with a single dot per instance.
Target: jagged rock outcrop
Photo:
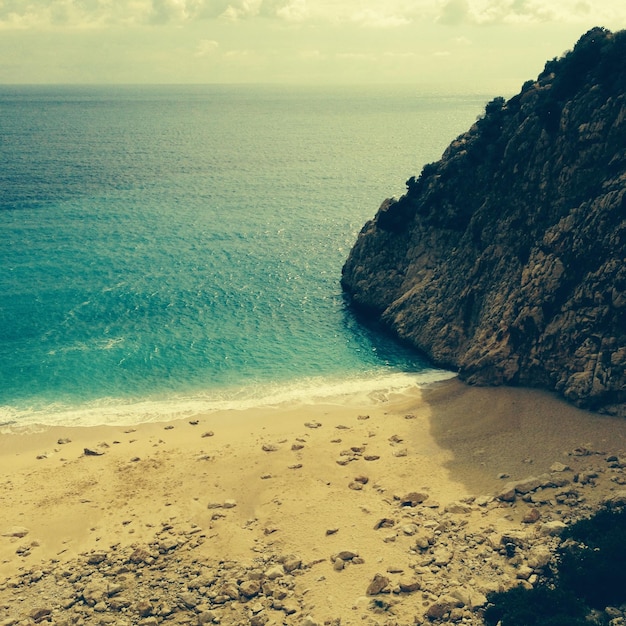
(505, 259)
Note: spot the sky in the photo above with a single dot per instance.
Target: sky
(483, 45)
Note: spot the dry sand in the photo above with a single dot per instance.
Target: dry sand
(286, 475)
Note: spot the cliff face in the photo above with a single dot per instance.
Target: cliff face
(506, 258)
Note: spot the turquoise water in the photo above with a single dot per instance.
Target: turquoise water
(172, 249)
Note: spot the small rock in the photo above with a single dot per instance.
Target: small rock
(531, 516)
(92, 452)
(312, 424)
(378, 584)
(274, 572)
(16, 531)
(38, 614)
(413, 499)
(347, 555)
(385, 522)
(558, 467)
(408, 585)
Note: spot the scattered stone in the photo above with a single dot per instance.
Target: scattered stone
(63, 440)
(331, 531)
(378, 585)
(371, 457)
(409, 585)
(385, 522)
(274, 572)
(92, 452)
(558, 467)
(16, 531)
(531, 516)
(269, 447)
(208, 433)
(313, 424)
(413, 499)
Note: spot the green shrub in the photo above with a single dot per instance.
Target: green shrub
(540, 606)
(590, 574)
(593, 563)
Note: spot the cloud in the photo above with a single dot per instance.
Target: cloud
(454, 12)
(294, 11)
(206, 47)
(373, 18)
(362, 13)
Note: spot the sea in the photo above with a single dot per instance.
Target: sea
(170, 250)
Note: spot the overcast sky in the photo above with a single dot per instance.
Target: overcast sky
(489, 45)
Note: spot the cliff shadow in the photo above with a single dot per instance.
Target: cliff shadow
(498, 434)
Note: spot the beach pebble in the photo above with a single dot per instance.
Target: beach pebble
(413, 498)
(409, 585)
(92, 452)
(16, 531)
(385, 522)
(558, 467)
(378, 584)
(274, 572)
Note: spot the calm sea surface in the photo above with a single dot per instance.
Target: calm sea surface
(165, 250)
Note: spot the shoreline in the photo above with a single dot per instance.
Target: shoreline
(358, 387)
(306, 482)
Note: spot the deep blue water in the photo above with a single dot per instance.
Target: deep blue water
(180, 248)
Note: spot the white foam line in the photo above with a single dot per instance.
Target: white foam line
(117, 412)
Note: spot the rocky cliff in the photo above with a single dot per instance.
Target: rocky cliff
(505, 259)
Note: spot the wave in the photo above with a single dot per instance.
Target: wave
(376, 387)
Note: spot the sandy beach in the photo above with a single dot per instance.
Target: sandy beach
(311, 502)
